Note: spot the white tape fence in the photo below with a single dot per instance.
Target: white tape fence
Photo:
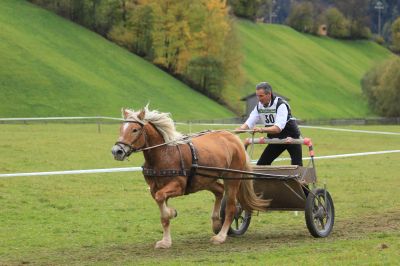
(137, 169)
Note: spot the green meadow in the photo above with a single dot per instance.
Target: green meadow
(111, 219)
(320, 76)
(52, 67)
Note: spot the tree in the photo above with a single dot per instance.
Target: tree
(207, 69)
(246, 8)
(381, 85)
(396, 35)
(171, 35)
(356, 11)
(141, 26)
(205, 74)
(121, 31)
(124, 9)
(301, 17)
(338, 25)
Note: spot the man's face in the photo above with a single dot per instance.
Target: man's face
(263, 97)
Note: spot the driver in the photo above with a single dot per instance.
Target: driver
(275, 114)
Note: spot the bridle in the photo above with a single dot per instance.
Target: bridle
(133, 149)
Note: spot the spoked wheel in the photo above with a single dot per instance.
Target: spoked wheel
(241, 219)
(319, 213)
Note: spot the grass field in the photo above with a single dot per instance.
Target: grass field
(105, 219)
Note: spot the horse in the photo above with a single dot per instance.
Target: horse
(170, 167)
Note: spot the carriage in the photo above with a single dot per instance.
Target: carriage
(177, 165)
(291, 188)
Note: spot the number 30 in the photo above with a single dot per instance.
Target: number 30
(269, 119)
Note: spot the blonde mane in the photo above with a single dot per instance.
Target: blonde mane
(162, 121)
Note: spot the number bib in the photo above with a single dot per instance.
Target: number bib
(268, 114)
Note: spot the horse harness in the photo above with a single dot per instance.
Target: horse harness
(190, 173)
(149, 172)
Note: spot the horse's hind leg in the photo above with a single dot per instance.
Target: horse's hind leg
(173, 189)
(232, 188)
(218, 190)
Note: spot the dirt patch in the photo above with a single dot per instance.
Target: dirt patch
(381, 222)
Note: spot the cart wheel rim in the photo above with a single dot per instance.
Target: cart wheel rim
(319, 213)
(239, 219)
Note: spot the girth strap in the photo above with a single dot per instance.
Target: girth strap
(165, 172)
(193, 169)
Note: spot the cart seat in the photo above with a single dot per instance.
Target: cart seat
(306, 174)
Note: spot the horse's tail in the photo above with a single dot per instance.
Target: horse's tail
(248, 198)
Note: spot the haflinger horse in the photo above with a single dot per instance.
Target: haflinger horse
(170, 167)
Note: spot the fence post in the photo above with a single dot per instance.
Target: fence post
(98, 125)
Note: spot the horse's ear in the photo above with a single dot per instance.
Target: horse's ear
(141, 114)
(124, 113)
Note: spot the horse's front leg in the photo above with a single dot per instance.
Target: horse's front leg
(173, 189)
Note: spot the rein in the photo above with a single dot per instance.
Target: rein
(143, 148)
(175, 140)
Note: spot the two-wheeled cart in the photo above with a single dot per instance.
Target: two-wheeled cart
(290, 188)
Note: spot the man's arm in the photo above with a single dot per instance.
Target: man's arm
(242, 127)
(269, 130)
(251, 121)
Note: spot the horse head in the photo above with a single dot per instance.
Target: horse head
(132, 136)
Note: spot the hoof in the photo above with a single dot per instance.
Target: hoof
(216, 226)
(216, 230)
(217, 240)
(163, 244)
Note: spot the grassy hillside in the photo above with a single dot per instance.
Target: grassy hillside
(321, 76)
(52, 67)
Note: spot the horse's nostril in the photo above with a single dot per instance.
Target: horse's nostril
(117, 151)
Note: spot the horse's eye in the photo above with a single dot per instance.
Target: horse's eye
(135, 130)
